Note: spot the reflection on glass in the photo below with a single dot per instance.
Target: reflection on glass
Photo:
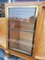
(21, 30)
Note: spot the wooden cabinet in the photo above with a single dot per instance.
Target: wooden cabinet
(15, 33)
(21, 25)
(40, 36)
(21, 30)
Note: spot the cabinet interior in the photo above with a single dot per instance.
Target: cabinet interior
(21, 23)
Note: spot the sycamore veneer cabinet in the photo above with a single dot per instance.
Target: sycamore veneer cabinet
(22, 31)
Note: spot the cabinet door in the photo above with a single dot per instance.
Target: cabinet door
(40, 36)
(21, 28)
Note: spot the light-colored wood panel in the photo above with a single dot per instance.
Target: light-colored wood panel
(25, 4)
(3, 32)
(40, 37)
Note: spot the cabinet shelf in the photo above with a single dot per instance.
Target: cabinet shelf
(14, 49)
(19, 48)
(16, 29)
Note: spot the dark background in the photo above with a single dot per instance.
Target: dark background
(3, 1)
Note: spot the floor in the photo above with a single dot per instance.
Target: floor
(4, 57)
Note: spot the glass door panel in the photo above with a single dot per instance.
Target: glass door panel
(21, 29)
